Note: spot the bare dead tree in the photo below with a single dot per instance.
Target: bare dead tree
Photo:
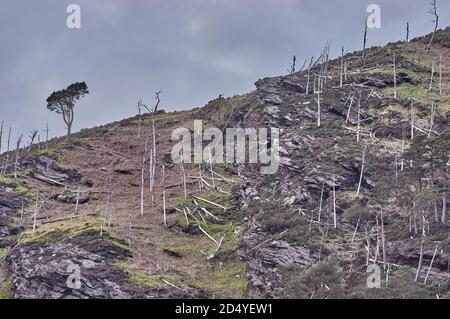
(318, 91)
(358, 132)
(139, 108)
(164, 194)
(8, 144)
(320, 203)
(16, 163)
(129, 234)
(363, 162)
(444, 208)
(402, 150)
(419, 267)
(153, 152)
(36, 209)
(151, 177)
(436, 212)
(433, 12)
(383, 241)
(350, 101)
(341, 79)
(144, 157)
(431, 265)
(395, 78)
(334, 206)
(291, 69)
(440, 74)
(433, 112)
(32, 136)
(308, 74)
(364, 40)
(432, 76)
(411, 119)
(407, 32)
(77, 204)
(367, 247)
(355, 231)
(377, 248)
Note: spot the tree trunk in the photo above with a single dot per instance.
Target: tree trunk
(395, 78)
(334, 206)
(342, 69)
(69, 131)
(432, 77)
(411, 115)
(444, 209)
(431, 265)
(407, 32)
(320, 203)
(419, 267)
(440, 74)
(365, 40)
(383, 242)
(362, 171)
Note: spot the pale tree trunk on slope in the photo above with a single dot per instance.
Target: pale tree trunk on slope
(142, 176)
(433, 11)
(419, 267)
(363, 161)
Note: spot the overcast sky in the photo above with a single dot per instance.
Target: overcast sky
(192, 50)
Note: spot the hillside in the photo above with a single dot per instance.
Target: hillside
(305, 232)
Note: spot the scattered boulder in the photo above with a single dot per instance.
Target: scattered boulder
(71, 198)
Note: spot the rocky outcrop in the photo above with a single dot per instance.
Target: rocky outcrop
(46, 169)
(10, 202)
(79, 267)
(266, 256)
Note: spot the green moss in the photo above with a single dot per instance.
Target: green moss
(22, 190)
(226, 279)
(389, 71)
(6, 291)
(118, 244)
(2, 252)
(45, 152)
(152, 281)
(7, 180)
(59, 233)
(421, 94)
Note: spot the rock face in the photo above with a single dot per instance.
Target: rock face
(79, 267)
(10, 202)
(265, 259)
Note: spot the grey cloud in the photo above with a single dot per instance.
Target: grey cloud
(193, 50)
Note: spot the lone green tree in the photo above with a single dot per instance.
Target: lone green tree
(62, 102)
